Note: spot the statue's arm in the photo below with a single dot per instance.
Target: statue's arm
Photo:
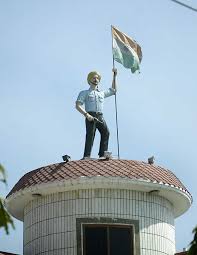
(80, 108)
(114, 85)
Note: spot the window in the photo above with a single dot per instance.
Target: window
(107, 236)
(107, 239)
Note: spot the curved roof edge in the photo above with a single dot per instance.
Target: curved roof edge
(180, 198)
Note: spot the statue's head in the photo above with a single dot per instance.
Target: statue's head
(93, 78)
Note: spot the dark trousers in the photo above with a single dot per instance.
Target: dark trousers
(91, 127)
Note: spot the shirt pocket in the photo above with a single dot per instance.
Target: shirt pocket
(91, 98)
(101, 99)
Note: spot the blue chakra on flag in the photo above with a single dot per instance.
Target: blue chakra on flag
(125, 48)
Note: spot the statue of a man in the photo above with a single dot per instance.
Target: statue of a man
(93, 100)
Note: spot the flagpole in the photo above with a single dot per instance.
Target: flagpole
(116, 109)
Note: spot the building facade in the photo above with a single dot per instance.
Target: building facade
(108, 207)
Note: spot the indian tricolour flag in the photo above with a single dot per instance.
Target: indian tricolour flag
(126, 50)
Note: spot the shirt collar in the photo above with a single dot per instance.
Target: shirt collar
(97, 89)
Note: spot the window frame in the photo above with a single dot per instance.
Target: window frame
(81, 223)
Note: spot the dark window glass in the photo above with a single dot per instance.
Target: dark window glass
(120, 241)
(96, 241)
(108, 240)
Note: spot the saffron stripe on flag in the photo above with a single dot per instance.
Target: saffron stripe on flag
(125, 50)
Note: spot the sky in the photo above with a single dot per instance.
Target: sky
(47, 48)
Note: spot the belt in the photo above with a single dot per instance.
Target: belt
(96, 113)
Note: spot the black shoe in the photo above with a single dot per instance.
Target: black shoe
(85, 158)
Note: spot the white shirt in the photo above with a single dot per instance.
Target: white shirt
(94, 99)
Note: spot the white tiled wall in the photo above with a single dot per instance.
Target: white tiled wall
(50, 221)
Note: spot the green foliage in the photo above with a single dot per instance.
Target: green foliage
(5, 218)
(193, 244)
(2, 174)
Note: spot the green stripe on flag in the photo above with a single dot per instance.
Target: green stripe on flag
(125, 55)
